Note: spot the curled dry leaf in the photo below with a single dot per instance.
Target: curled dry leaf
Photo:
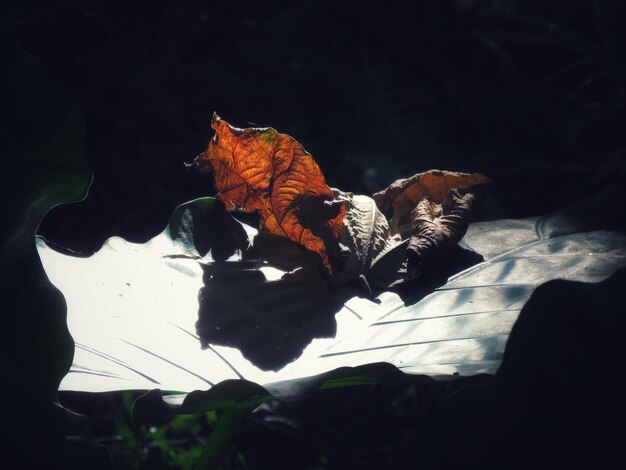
(365, 235)
(432, 209)
(261, 170)
(435, 232)
(404, 195)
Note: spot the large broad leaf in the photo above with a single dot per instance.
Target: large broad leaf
(42, 165)
(276, 329)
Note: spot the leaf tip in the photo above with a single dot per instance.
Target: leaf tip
(483, 179)
(194, 163)
(215, 119)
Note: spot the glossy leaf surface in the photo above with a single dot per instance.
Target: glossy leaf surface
(133, 309)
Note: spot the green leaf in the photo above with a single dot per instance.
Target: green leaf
(43, 161)
(42, 165)
(156, 405)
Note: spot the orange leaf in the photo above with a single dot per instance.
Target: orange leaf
(261, 170)
(405, 194)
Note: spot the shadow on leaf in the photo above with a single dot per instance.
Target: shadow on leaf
(556, 396)
(270, 305)
(437, 274)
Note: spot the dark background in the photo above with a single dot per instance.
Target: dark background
(530, 93)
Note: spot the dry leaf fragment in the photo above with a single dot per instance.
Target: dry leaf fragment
(365, 235)
(435, 232)
(404, 195)
(261, 170)
(431, 209)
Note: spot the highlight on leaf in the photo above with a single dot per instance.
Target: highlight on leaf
(261, 170)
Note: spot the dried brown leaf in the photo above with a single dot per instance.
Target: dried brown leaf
(430, 207)
(404, 195)
(261, 170)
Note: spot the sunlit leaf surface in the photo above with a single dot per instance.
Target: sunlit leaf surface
(133, 308)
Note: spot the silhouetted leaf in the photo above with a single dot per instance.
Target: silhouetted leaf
(42, 165)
